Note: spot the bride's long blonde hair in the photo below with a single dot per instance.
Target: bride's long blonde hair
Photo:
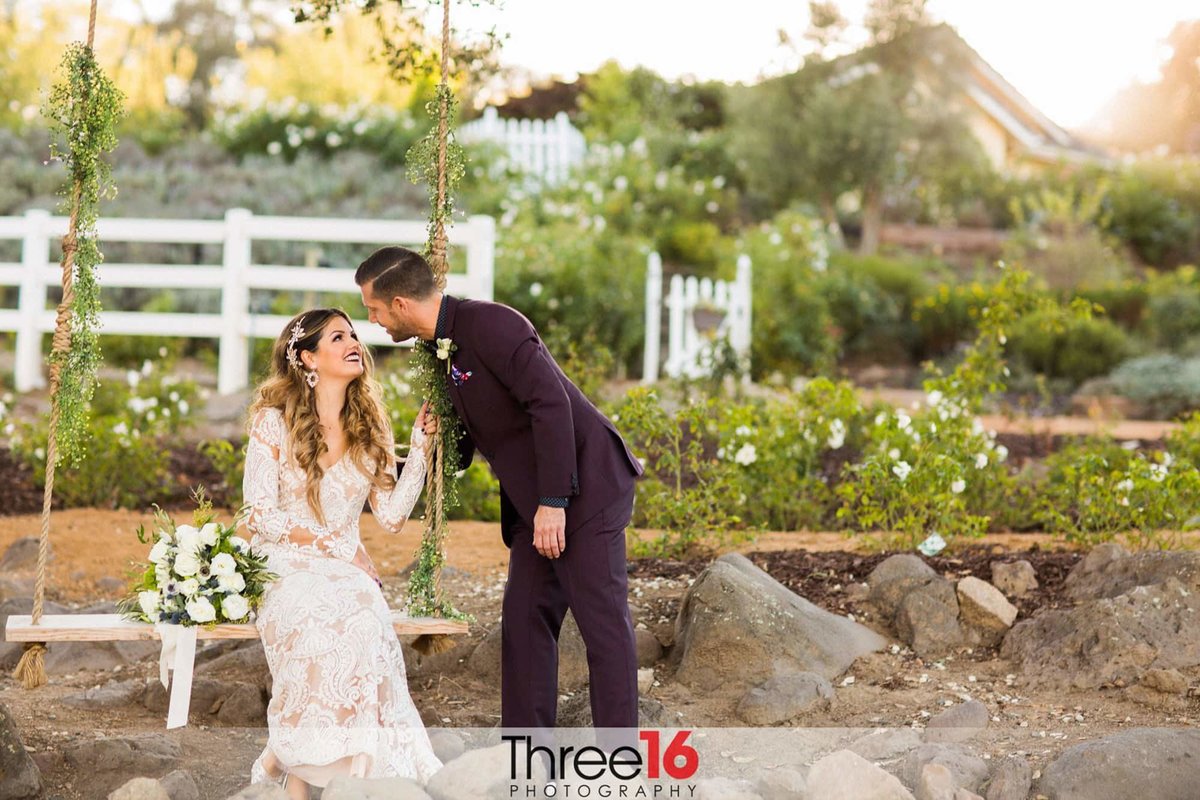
(364, 421)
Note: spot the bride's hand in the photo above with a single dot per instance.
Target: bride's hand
(363, 562)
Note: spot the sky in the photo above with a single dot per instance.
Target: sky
(1068, 57)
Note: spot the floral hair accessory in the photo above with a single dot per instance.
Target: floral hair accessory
(297, 332)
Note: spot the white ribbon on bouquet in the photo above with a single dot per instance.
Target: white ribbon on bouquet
(179, 654)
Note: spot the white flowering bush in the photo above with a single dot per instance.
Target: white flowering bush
(936, 470)
(125, 463)
(197, 574)
(1097, 489)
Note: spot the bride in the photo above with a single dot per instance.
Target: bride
(320, 445)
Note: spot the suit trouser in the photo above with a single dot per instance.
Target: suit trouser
(590, 579)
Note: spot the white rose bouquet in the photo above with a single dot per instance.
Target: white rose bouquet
(198, 574)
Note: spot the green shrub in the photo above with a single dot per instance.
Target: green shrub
(1057, 345)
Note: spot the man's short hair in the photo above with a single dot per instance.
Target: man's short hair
(396, 272)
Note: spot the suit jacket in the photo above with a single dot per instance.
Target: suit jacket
(540, 434)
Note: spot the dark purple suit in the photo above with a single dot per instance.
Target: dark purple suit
(545, 441)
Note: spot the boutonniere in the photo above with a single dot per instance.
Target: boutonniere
(444, 348)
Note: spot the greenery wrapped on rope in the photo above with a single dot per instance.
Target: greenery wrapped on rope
(83, 110)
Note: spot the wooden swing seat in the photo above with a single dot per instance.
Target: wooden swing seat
(114, 628)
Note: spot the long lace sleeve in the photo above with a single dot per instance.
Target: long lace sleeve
(260, 488)
(392, 509)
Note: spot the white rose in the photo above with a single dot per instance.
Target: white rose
(239, 544)
(189, 588)
(186, 564)
(160, 552)
(235, 607)
(149, 602)
(188, 538)
(209, 534)
(231, 583)
(201, 610)
(223, 564)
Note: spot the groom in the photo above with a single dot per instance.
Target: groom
(566, 488)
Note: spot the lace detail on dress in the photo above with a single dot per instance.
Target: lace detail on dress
(340, 702)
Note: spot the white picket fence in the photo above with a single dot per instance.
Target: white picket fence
(544, 148)
(237, 275)
(689, 349)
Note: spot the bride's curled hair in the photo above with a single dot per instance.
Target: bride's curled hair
(364, 421)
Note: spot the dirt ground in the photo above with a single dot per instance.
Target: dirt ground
(887, 690)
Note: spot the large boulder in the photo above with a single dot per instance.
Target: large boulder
(1114, 639)
(19, 776)
(844, 775)
(738, 626)
(1109, 570)
(110, 762)
(1163, 763)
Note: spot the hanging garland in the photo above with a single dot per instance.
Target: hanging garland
(83, 111)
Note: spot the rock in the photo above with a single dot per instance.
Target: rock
(114, 694)
(984, 608)
(738, 626)
(180, 785)
(110, 762)
(958, 723)
(927, 619)
(725, 789)
(1163, 763)
(969, 770)
(20, 778)
(1167, 681)
(936, 783)
(649, 649)
(1012, 780)
(894, 578)
(245, 706)
(480, 774)
(1109, 570)
(261, 791)
(447, 746)
(344, 788)
(782, 783)
(843, 775)
(576, 712)
(886, 744)
(1014, 578)
(783, 697)
(22, 554)
(645, 680)
(1109, 640)
(140, 789)
(484, 662)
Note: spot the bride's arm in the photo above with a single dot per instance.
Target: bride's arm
(260, 488)
(392, 509)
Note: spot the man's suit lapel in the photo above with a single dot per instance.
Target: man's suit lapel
(452, 389)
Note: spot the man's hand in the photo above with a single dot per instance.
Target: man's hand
(550, 531)
(363, 562)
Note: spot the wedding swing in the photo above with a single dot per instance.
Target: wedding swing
(36, 630)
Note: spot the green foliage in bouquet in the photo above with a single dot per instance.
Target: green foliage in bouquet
(197, 574)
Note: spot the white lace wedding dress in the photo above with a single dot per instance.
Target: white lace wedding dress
(339, 700)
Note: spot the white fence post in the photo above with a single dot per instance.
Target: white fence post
(653, 318)
(481, 257)
(35, 258)
(233, 371)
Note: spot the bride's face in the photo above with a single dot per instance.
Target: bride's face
(339, 355)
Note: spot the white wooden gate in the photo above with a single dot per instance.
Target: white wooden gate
(701, 312)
